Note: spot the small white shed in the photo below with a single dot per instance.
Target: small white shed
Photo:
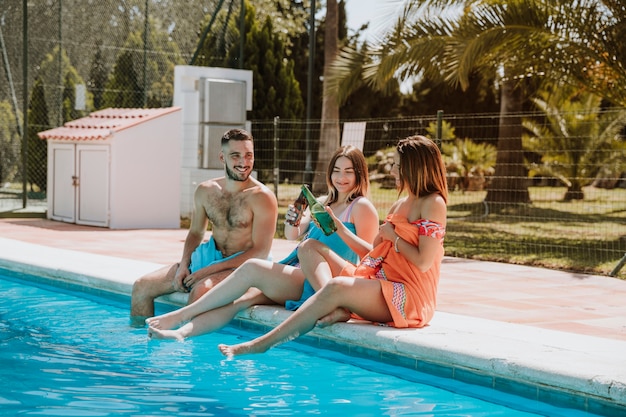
(116, 168)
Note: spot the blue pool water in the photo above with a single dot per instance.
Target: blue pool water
(73, 354)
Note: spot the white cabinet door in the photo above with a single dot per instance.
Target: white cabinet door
(63, 192)
(93, 185)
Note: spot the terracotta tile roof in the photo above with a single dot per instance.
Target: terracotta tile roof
(102, 124)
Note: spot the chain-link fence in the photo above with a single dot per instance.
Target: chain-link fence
(573, 222)
(62, 59)
(574, 213)
(568, 204)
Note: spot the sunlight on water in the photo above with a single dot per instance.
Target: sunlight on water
(63, 355)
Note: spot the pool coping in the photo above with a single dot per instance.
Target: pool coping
(563, 369)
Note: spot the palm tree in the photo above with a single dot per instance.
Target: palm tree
(449, 41)
(575, 138)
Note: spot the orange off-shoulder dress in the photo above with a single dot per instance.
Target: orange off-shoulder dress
(411, 294)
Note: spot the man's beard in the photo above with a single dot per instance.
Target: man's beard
(232, 175)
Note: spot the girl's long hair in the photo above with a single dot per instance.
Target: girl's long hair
(422, 170)
(359, 164)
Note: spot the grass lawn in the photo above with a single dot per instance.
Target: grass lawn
(585, 235)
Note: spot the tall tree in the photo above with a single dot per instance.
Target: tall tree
(329, 129)
(97, 77)
(55, 72)
(37, 170)
(123, 89)
(153, 57)
(506, 184)
(276, 91)
(9, 143)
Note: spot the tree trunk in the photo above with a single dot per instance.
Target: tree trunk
(574, 192)
(329, 130)
(510, 181)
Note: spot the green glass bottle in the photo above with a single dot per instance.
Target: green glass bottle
(324, 220)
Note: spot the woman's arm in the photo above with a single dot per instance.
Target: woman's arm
(433, 209)
(366, 222)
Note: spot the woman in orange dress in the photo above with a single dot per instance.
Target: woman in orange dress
(396, 282)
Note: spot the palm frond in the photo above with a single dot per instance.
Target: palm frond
(578, 42)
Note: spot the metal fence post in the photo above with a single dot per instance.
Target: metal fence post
(24, 102)
(276, 168)
(619, 266)
(439, 128)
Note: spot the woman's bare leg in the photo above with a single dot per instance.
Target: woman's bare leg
(337, 315)
(212, 320)
(319, 263)
(278, 282)
(361, 296)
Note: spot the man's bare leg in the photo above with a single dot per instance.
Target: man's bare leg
(146, 289)
(211, 320)
(278, 282)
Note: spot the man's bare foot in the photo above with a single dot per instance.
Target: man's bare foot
(154, 333)
(335, 316)
(240, 349)
(164, 322)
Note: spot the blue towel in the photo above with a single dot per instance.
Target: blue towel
(207, 254)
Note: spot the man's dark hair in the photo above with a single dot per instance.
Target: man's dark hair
(236, 134)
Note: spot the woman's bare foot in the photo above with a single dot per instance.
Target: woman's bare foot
(165, 321)
(241, 349)
(337, 315)
(154, 333)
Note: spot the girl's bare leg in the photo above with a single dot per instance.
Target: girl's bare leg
(278, 282)
(337, 315)
(211, 320)
(361, 296)
(319, 264)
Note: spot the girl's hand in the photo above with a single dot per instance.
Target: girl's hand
(387, 231)
(331, 213)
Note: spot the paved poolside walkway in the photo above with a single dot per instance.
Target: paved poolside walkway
(548, 335)
(575, 303)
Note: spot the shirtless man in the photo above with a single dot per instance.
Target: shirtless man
(243, 214)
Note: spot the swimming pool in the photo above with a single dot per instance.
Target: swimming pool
(74, 354)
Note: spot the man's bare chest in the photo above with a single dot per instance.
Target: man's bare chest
(229, 211)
